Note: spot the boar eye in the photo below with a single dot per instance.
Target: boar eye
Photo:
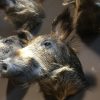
(8, 41)
(47, 44)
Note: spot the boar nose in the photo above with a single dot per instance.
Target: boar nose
(3, 67)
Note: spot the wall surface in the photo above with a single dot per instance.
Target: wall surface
(89, 56)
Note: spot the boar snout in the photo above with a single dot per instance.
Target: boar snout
(6, 70)
(21, 68)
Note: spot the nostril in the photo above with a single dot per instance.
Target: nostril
(4, 67)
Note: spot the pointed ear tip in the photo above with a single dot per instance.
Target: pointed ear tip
(24, 34)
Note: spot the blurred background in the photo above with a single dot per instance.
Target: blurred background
(89, 56)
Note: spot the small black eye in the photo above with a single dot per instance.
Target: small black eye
(47, 44)
(8, 41)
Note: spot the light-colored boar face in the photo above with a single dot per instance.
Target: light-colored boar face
(42, 55)
(10, 44)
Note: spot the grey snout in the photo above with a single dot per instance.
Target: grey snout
(7, 70)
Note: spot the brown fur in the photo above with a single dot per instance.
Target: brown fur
(58, 72)
(50, 62)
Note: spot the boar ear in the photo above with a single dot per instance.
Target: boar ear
(24, 36)
(62, 25)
